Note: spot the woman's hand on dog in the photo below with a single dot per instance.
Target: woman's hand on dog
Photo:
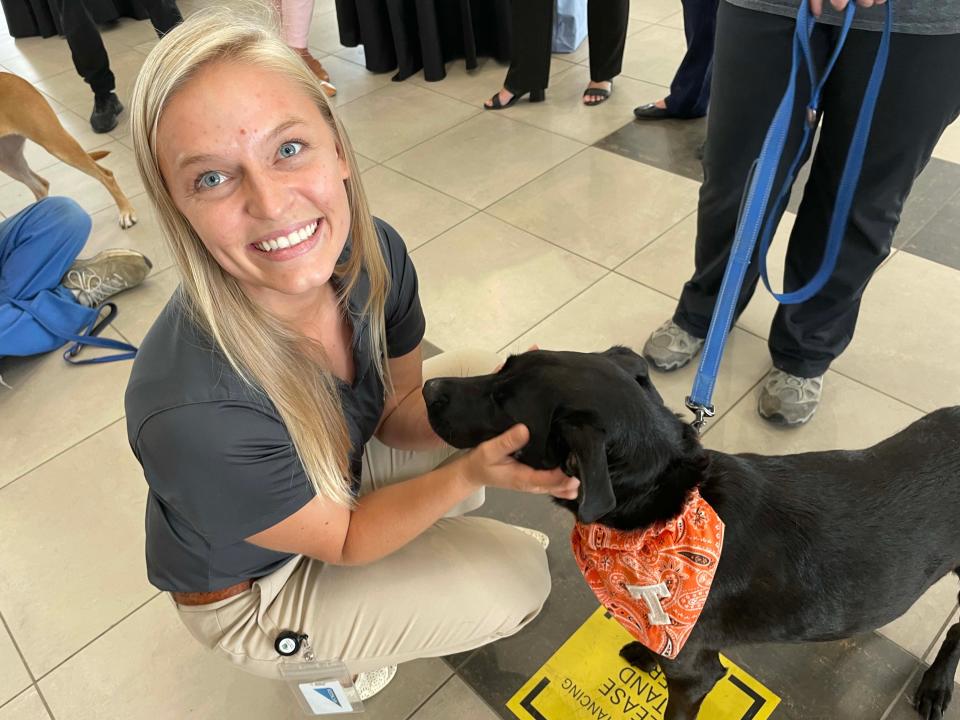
(492, 464)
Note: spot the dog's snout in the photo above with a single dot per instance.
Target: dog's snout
(434, 393)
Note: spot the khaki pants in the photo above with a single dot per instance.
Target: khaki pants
(461, 584)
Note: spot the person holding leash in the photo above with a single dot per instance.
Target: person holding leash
(917, 101)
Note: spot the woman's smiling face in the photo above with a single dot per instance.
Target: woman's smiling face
(250, 161)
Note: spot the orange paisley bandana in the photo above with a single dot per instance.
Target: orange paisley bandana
(654, 581)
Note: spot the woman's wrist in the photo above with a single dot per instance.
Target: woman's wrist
(465, 473)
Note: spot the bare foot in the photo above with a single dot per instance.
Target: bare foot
(505, 97)
(589, 99)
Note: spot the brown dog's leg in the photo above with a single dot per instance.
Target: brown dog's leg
(69, 150)
(44, 128)
(14, 164)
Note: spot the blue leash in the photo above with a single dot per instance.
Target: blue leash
(760, 186)
(88, 335)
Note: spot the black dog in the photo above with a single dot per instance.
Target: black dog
(818, 546)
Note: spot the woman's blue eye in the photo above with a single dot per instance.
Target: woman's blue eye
(210, 179)
(289, 149)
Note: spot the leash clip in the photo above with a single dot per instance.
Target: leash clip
(812, 117)
(700, 413)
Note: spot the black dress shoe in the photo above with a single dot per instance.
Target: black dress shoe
(651, 111)
(106, 110)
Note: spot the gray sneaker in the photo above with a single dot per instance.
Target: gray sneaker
(670, 347)
(94, 280)
(786, 399)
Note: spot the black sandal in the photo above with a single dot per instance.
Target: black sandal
(495, 104)
(595, 92)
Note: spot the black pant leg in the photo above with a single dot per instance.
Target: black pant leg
(751, 67)
(532, 41)
(86, 46)
(164, 15)
(607, 28)
(916, 103)
(690, 88)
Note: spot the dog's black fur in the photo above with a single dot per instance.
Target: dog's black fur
(818, 546)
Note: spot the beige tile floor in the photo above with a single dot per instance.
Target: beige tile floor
(521, 233)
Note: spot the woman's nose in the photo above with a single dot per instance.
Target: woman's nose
(267, 198)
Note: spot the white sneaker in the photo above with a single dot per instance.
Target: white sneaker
(370, 683)
(536, 535)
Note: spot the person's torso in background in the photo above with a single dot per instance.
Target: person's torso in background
(916, 17)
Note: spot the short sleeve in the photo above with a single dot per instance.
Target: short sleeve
(405, 322)
(228, 468)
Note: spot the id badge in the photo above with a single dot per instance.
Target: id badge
(322, 688)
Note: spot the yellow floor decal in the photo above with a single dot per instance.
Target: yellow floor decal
(587, 680)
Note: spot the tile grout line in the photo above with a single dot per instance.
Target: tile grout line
(921, 662)
(555, 311)
(99, 635)
(429, 697)
(646, 246)
(33, 680)
(607, 273)
(455, 225)
(429, 187)
(61, 452)
(906, 243)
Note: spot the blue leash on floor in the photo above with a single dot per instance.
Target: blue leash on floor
(760, 186)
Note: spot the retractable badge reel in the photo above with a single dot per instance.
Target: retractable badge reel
(321, 688)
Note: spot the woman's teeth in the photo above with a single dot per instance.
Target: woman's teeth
(294, 238)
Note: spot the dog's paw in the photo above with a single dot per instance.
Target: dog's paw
(933, 695)
(639, 655)
(128, 219)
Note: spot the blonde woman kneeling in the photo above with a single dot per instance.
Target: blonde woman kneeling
(288, 489)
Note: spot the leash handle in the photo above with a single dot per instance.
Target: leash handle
(91, 337)
(760, 181)
(88, 335)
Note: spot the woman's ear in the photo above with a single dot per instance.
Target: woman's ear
(342, 163)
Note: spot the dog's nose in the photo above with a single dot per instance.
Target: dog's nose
(433, 393)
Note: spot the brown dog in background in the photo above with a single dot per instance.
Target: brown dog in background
(26, 115)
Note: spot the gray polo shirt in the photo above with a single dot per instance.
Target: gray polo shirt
(218, 460)
(915, 17)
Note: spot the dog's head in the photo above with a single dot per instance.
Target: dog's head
(596, 415)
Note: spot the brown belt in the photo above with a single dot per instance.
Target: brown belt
(203, 598)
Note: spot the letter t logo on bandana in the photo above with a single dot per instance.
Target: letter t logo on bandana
(654, 581)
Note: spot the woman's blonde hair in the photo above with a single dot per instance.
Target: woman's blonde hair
(265, 353)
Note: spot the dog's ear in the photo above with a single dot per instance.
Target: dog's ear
(631, 362)
(634, 365)
(587, 460)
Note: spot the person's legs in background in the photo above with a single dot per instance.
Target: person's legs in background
(690, 88)
(295, 19)
(607, 27)
(90, 56)
(746, 92)
(164, 15)
(38, 251)
(529, 72)
(91, 61)
(805, 338)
